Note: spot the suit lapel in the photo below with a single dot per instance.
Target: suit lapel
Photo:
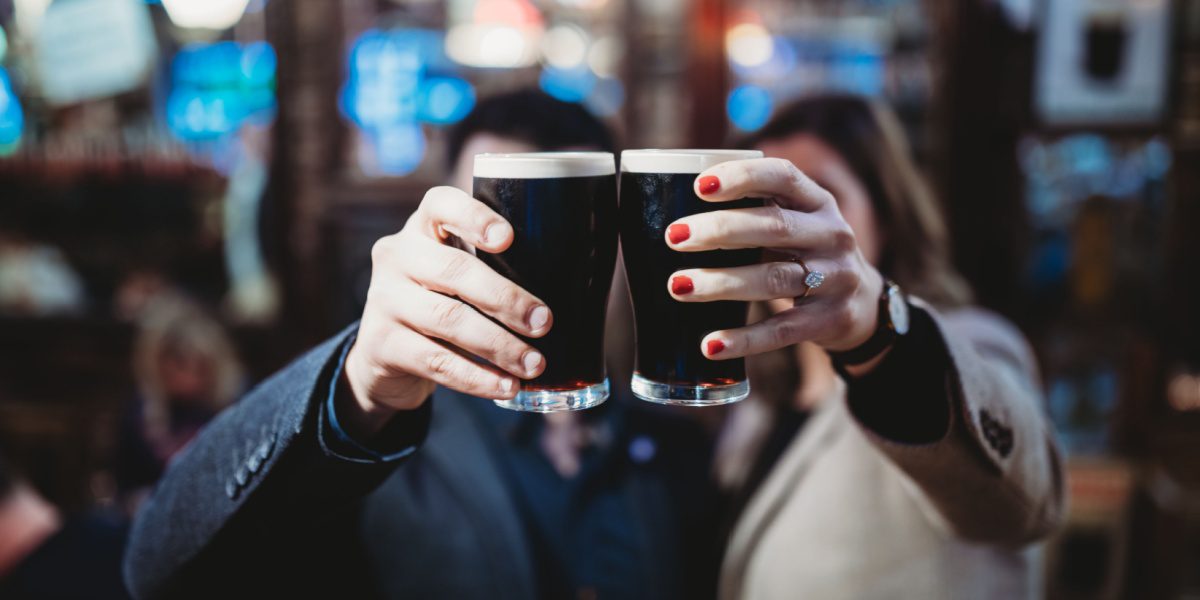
(785, 476)
(460, 451)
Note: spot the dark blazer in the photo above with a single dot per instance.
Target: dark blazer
(258, 506)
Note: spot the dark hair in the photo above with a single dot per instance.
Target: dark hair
(869, 137)
(534, 117)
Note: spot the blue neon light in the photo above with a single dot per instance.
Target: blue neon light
(12, 117)
(397, 80)
(399, 149)
(749, 107)
(217, 87)
(606, 98)
(445, 100)
(568, 85)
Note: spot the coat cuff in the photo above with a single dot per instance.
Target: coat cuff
(904, 400)
(399, 438)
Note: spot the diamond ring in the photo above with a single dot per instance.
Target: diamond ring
(812, 279)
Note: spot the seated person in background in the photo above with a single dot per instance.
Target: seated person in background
(43, 555)
(187, 371)
(920, 466)
(361, 470)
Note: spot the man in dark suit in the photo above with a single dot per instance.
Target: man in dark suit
(360, 471)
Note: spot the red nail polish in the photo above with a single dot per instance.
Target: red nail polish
(679, 232)
(682, 285)
(709, 184)
(715, 347)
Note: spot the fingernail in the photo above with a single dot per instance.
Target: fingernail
(678, 233)
(709, 184)
(531, 361)
(493, 234)
(538, 318)
(715, 347)
(506, 385)
(681, 285)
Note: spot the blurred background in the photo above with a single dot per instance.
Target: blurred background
(189, 190)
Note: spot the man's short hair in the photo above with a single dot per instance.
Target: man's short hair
(536, 118)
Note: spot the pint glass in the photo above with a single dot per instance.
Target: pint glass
(656, 190)
(563, 210)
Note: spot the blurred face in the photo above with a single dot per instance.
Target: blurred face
(481, 143)
(825, 166)
(186, 376)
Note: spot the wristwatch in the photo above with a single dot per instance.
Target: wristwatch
(893, 323)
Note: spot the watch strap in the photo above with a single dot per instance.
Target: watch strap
(885, 334)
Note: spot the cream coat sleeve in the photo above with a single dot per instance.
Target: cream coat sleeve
(996, 475)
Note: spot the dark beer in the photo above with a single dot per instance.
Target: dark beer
(656, 190)
(563, 209)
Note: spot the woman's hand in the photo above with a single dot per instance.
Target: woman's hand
(428, 307)
(801, 220)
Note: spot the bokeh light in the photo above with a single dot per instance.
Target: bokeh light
(565, 46)
(749, 107)
(258, 63)
(12, 117)
(215, 88)
(858, 67)
(446, 100)
(398, 80)
(1183, 392)
(749, 44)
(205, 14)
(492, 46)
(584, 4)
(605, 55)
(399, 149)
(570, 85)
(28, 15)
(502, 34)
(783, 62)
(606, 98)
(518, 13)
(385, 74)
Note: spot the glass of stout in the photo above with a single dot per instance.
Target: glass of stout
(656, 190)
(563, 210)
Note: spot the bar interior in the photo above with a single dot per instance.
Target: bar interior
(191, 190)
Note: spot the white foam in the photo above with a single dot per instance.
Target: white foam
(680, 161)
(544, 165)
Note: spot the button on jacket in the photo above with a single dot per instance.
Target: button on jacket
(269, 502)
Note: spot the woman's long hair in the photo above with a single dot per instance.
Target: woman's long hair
(172, 326)
(915, 250)
(869, 137)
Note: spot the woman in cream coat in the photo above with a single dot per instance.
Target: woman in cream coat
(895, 444)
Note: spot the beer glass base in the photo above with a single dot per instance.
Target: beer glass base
(688, 395)
(545, 401)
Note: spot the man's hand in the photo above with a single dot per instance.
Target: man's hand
(427, 310)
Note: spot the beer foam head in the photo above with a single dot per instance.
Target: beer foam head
(544, 165)
(679, 161)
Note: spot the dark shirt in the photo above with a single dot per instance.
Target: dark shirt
(570, 518)
(583, 529)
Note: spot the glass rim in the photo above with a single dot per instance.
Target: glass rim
(543, 165)
(682, 161)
